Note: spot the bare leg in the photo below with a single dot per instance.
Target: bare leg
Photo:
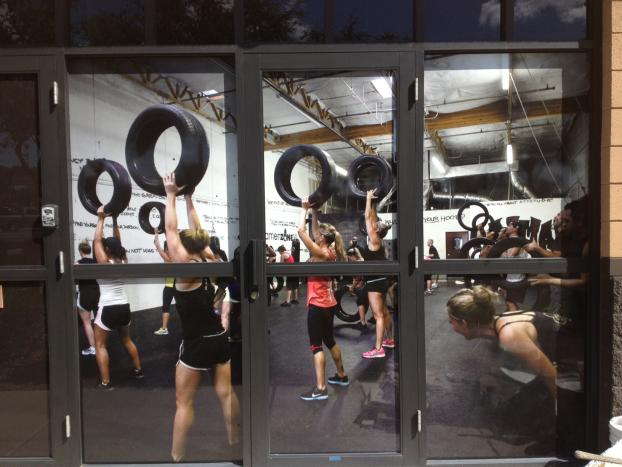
(85, 316)
(362, 312)
(165, 318)
(288, 299)
(319, 363)
(335, 352)
(186, 384)
(388, 327)
(101, 354)
(376, 301)
(131, 349)
(228, 401)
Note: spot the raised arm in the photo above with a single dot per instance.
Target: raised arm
(116, 232)
(193, 218)
(534, 247)
(163, 254)
(176, 250)
(98, 239)
(371, 218)
(314, 248)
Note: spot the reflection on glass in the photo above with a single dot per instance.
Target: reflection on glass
(24, 383)
(460, 20)
(20, 197)
(114, 22)
(278, 21)
(371, 21)
(195, 22)
(330, 139)
(153, 350)
(322, 368)
(26, 23)
(134, 121)
(505, 365)
(505, 155)
(551, 20)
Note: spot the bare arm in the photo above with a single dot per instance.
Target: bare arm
(371, 218)
(98, 240)
(534, 247)
(163, 254)
(116, 232)
(314, 249)
(176, 250)
(193, 218)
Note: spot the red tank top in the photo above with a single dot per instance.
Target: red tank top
(320, 289)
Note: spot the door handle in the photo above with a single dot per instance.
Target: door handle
(254, 266)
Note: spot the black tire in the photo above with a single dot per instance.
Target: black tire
(383, 168)
(87, 186)
(362, 225)
(144, 213)
(141, 141)
(474, 226)
(474, 243)
(283, 173)
(340, 312)
(505, 244)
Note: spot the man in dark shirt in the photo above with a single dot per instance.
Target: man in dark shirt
(432, 254)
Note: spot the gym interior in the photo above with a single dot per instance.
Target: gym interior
(460, 175)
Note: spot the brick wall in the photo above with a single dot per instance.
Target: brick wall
(611, 150)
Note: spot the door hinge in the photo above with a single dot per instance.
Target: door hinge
(54, 92)
(67, 426)
(417, 89)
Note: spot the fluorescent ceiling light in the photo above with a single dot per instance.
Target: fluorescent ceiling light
(209, 92)
(509, 154)
(438, 164)
(383, 87)
(505, 79)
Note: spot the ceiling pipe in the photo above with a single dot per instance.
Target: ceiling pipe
(458, 197)
(519, 186)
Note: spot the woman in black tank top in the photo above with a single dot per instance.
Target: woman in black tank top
(472, 314)
(377, 286)
(205, 343)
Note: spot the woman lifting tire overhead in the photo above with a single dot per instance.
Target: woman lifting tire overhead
(205, 344)
(114, 308)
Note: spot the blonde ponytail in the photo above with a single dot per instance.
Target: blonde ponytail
(475, 306)
(340, 250)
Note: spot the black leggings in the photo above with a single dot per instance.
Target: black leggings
(320, 326)
(167, 299)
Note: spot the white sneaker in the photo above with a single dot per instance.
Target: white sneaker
(434, 285)
(88, 351)
(161, 332)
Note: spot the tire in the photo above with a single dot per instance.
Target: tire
(383, 168)
(283, 173)
(505, 244)
(143, 216)
(340, 312)
(141, 141)
(362, 225)
(474, 243)
(87, 186)
(473, 226)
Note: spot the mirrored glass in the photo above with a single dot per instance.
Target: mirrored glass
(506, 155)
(161, 369)
(505, 365)
(550, 20)
(135, 121)
(334, 367)
(462, 20)
(24, 380)
(329, 137)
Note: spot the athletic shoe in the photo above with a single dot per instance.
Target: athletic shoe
(434, 285)
(388, 343)
(161, 332)
(315, 394)
(104, 387)
(427, 292)
(294, 302)
(88, 351)
(285, 304)
(375, 353)
(137, 373)
(339, 380)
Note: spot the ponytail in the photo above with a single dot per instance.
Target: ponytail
(340, 250)
(475, 306)
(329, 232)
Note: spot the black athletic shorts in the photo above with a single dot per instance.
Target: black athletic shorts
(292, 283)
(361, 297)
(515, 293)
(378, 284)
(320, 327)
(88, 298)
(201, 353)
(113, 316)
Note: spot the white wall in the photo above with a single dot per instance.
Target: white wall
(102, 108)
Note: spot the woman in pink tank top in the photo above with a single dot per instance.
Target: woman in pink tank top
(325, 245)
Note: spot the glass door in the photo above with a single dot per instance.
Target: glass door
(33, 264)
(334, 357)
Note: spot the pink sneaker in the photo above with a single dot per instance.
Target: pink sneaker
(374, 353)
(388, 343)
